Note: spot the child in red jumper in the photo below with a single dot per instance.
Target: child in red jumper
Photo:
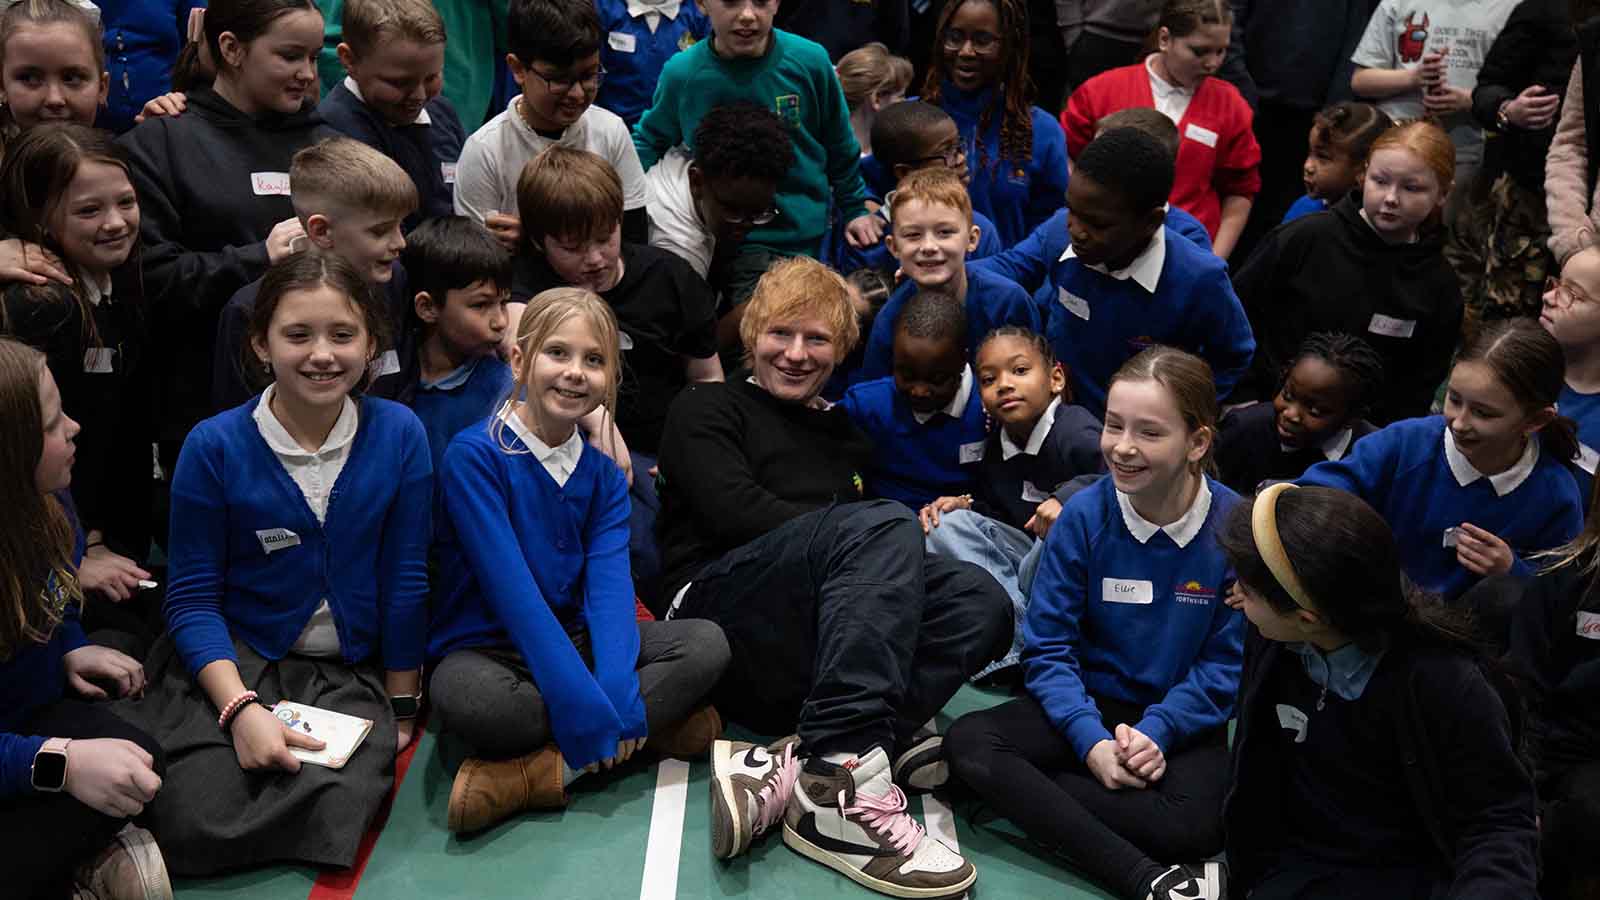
(1217, 177)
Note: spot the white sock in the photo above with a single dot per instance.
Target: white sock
(838, 759)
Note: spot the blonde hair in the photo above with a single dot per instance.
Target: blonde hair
(801, 288)
(366, 23)
(871, 70)
(546, 312)
(565, 192)
(931, 186)
(342, 175)
(1188, 379)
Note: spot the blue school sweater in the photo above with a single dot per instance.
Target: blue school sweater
(427, 152)
(247, 557)
(1401, 470)
(1305, 206)
(34, 677)
(839, 254)
(1140, 623)
(991, 301)
(1017, 195)
(1585, 410)
(462, 398)
(521, 560)
(1097, 322)
(916, 462)
(633, 55)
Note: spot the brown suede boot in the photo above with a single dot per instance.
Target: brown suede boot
(487, 792)
(692, 738)
(129, 868)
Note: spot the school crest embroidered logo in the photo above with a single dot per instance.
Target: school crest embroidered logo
(686, 40)
(1413, 38)
(855, 479)
(788, 108)
(1018, 175)
(1194, 593)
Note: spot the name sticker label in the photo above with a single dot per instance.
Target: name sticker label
(386, 364)
(1203, 135)
(1293, 720)
(274, 539)
(1032, 494)
(1126, 590)
(1388, 326)
(1588, 458)
(622, 42)
(971, 453)
(1074, 304)
(1589, 625)
(448, 172)
(1452, 537)
(270, 184)
(624, 340)
(99, 359)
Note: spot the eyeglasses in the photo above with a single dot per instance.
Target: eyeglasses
(951, 156)
(983, 42)
(564, 84)
(1567, 294)
(761, 218)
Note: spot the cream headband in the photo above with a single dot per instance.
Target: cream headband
(1264, 528)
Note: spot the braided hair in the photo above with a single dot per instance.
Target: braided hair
(1015, 102)
(1350, 356)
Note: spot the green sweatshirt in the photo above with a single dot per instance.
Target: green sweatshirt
(795, 80)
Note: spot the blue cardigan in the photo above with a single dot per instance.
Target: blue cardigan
(991, 301)
(1179, 654)
(520, 560)
(1402, 471)
(248, 558)
(916, 462)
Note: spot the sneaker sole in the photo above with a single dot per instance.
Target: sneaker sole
(147, 859)
(923, 768)
(730, 835)
(833, 861)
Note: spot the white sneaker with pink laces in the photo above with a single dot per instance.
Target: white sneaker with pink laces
(853, 818)
(750, 788)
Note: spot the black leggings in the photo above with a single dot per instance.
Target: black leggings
(1025, 770)
(42, 836)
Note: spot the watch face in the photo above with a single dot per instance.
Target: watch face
(404, 707)
(49, 770)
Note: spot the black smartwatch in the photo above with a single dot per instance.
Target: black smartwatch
(50, 766)
(405, 706)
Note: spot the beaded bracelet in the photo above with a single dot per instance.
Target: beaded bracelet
(233, 707)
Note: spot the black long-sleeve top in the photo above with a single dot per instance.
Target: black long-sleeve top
(1536, 46)
(1555, 641)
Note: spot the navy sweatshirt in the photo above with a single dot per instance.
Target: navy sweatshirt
(1555, 641)
(991, 301)
(916, 462)
(212, 183)
(427, 153)
(248, 558)
(1011, 489)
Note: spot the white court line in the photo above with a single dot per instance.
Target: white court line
(662, 850)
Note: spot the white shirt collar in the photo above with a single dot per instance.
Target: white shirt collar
(1145, 269)
(94, 289)
(1333, 449)
(1503, 483)
(668, 8)
(559, 461)
(1041, 430)
(1160, 86)
(422, 114)
(1182, 531)
(958, 403)
(278, 438)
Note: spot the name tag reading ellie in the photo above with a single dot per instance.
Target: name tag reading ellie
(1126, 590)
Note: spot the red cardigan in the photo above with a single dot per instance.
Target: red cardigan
(1217, 151)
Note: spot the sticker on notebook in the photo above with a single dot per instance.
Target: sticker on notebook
(1293, 720)
(1388, 326)
(270, 184)
(99, 359)
(275, 539)
(1203, 135)
(971, 453)
(622, 42)
(1127, 590)
(1074, 304)
(341, 733)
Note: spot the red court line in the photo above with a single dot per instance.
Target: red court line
(341, 885)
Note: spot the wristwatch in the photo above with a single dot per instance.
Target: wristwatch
(405, 706)
(1500, 117)
(50, 766)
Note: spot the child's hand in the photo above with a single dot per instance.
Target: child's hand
(92, 663)
(405, 729)
(930, 513)
(170, 105)
(282, 238)
(507, 229)
(864, 231)
(1445, 100)
(1107, 768)
(625, 751)
(1431, 73)
(1140, 755)
(30, 264)
(111, 776)
(1482, 552)
(262, 741)
(1043, 517)
(1235, 597)
(110, 575)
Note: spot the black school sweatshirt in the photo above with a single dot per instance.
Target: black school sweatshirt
(212, 183)
(1330, 271)
(1011, 489)
(736, 463)
(1250, 452)
(1555, 640)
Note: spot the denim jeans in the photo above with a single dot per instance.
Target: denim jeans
(1009, 554)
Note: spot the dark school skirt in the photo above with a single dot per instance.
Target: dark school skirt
(212, 816)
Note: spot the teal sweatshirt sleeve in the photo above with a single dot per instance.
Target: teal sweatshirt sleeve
(661, 127)
(844, 153)
(608, 601)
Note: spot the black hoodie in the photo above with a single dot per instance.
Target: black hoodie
(1330, 271)
(212, 183)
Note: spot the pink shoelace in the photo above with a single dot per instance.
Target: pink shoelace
(774, 796)
(887, 814)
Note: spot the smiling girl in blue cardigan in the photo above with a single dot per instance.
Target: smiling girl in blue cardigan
(300, 526)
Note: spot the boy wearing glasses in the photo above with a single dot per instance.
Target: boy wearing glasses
(748, 59)
(555, 57)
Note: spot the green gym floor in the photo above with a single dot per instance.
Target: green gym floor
(642, 834)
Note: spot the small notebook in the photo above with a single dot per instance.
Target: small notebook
(342, 733)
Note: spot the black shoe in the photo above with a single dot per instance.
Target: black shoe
(921, 767)
(1204, 881)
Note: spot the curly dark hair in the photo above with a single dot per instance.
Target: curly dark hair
(1352, 357)
(1130, 162)
(1015, 103)
(743, 139)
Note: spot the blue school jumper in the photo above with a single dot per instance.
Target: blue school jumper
(1098, 322)
(916, 462)
(248, 558)
(633, 55)
(1143, 623)
(1305, 206)
(1402, 471)
(839, 254)
(991, 301)
(1585, 410)
(521, 561)
(427, 152)
(1017, 195)
(462, 398)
